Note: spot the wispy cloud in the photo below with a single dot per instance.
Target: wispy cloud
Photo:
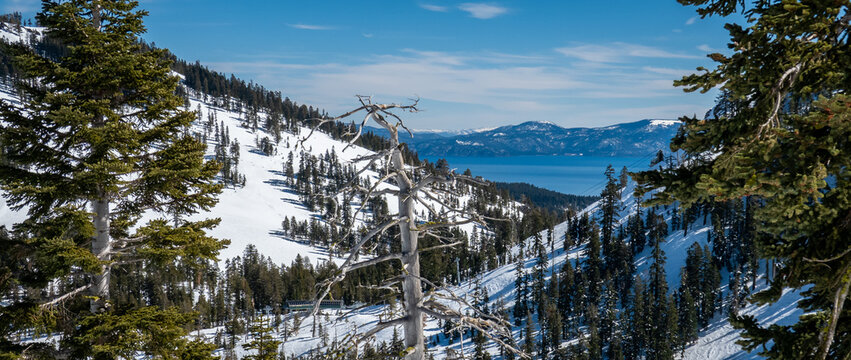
(468, 89)
(432, 7)
(367, 35)
(618, 52)
(482, 10)
(692, 20)
(707, 49)
(668, 71)
(310, 27)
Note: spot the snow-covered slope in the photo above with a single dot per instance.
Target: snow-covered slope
(252, 214)
(16, 34)
(716, 342)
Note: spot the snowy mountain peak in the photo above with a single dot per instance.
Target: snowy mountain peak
(664, 122)
(537, 126)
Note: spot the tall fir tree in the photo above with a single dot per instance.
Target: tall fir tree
(659, 346)
(609, 206)
(263, 345)
(779, 134)
(99, 139)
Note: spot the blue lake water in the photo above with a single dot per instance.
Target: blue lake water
(580, 175)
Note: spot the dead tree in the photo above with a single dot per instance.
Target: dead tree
(411, 189)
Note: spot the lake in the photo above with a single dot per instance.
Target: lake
(579, 175)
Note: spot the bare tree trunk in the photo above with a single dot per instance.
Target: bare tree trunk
(827, 334)
(408, 195)
(101, 247)
(412, 286)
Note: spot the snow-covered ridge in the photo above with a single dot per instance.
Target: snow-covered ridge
(16, 34)
(252, 214)
(664, 122)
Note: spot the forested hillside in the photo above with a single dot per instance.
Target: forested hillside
(152, 208)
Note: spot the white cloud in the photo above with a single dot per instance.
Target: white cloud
(707, 49)
(656, 112)
(466, 89)
(483, 11)
(310, 27)
(668, 71)
(618, 52)
(692, 20)
(367, 35)
(432, 7)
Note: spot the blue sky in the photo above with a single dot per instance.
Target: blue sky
(473, 64)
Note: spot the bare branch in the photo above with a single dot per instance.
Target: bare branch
(328, 120)
(837, 257)
(435, 225)
(66, 296)
(354, 252)
(485, 327)
(375, 261)
(383, 325)
(438, 247)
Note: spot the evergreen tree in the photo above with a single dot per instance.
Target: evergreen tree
(659, 346)
(566, 297)
(610, 199)
(263, 344)
(529, 336)
(639, 321)
(779, 133)
(593, 265)
(539, 273)
(101, 130)
(636, 230)
(687, 312)
(521, 288)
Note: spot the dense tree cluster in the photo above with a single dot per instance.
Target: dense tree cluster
(544, 198)
(97, 141)
(777, 142)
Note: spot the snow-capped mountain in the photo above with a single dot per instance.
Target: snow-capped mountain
(421, 135)
(545, 138)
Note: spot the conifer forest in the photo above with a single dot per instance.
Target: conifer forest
(153, 207)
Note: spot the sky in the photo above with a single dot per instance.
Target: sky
(471, 64)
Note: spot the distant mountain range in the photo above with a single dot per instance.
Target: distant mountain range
(638, 138)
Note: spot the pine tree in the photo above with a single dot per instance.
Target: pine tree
(779, 134)
(659, 345)
(539, 273)
(610, 199)
(638, 321)
(636, 230)
(99, 140)
(566, 297)
(593, 266)
(672, 340)
(264, 345)
(529, 336)
(521, 289)
(687, 312)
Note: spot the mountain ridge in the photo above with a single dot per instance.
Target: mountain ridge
(546, 138)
